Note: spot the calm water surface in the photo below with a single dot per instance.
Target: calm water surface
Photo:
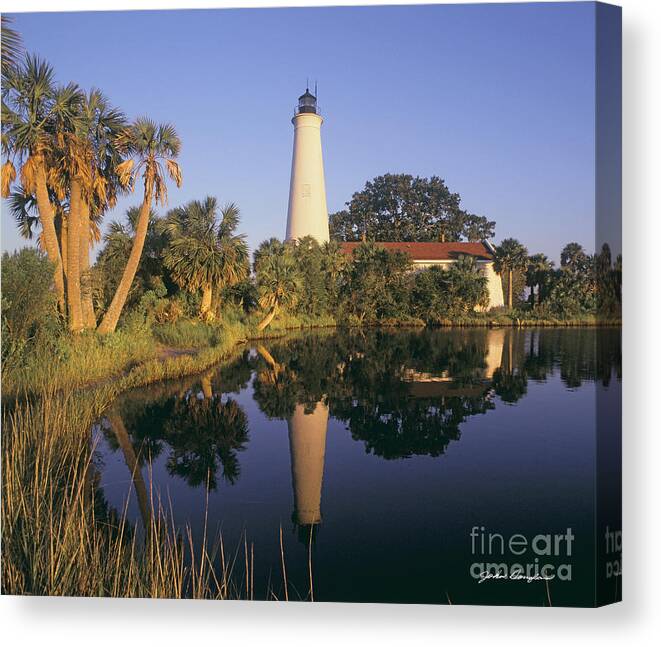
(389, 456)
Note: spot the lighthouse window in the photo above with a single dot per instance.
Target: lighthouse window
(306, 191)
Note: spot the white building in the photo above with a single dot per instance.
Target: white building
(424, 255)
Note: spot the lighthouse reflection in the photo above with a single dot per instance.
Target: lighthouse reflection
(307, 447)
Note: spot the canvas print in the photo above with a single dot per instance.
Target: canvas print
(313, 304)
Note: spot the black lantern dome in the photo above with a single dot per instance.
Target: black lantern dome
(307, 102)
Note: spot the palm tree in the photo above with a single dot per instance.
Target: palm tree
(573, 256)
(30, 109)
(153, 147)
(118, 241)
(69, 173)
(12, 46)
(99, 127)
(333, 263)
(278, 280)
(511, 255)
(537, 273)
(267, 248)
(203, 253)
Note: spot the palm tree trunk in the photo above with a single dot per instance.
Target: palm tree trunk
(89, 318)
(267, 320)
(131, 460)
(47, 219)
(509, 289)
(110, 319)
(205, 306)
(63, 238)
(73, 259)
(207, 388)
(270, 360)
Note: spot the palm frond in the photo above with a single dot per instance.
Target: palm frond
(8, 177)
(125, 173)
(12, 44)
(23, 208)
(174, 171)
(168, 142)
(29, 174)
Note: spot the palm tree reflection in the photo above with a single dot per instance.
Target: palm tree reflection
(201, 431)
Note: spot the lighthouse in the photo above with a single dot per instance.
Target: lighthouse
(307, 214)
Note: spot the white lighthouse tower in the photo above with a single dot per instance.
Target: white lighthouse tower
(307, 214)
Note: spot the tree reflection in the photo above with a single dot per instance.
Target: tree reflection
(400, 393)
(201, 431)
(408, 393)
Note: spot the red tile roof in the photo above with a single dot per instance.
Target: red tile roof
(432, 251)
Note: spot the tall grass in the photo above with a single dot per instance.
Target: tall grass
(74, 361)
(59, 536)
(187, 333)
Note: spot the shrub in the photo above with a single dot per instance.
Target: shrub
(29, 310)
(457, 291)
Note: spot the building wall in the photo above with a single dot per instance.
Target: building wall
(494, 285)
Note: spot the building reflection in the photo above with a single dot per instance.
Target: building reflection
(471, 382)
(494, 355)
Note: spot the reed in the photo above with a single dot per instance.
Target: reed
(60, 537)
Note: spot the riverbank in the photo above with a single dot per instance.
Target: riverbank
(142, 354)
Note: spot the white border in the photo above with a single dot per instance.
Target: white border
(44, 621)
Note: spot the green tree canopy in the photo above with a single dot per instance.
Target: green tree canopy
(407, 208)
(376, 284)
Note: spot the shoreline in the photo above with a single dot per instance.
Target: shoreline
(209, 357)
(172, 362)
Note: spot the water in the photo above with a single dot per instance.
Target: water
(388, 456)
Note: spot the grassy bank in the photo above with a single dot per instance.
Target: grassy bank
(59, 535)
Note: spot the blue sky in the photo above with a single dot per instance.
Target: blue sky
(496, 99)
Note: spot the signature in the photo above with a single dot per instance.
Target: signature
(514, 575)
